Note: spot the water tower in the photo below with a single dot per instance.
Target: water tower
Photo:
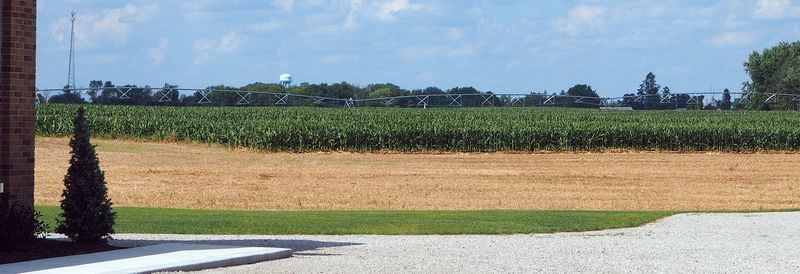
(285, 80)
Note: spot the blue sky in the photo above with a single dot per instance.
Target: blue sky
(505, 46)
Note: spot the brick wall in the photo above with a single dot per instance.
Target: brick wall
(17, 93)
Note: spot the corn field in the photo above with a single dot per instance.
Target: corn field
(463, 129)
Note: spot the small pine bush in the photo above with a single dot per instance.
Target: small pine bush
(19, 225)
(87, 215)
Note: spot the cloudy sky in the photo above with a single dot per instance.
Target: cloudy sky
(505, 46)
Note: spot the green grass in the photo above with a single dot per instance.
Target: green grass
(191, 221)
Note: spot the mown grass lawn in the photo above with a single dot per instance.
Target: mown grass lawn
(193, 221)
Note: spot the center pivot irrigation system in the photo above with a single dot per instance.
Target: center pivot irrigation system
(244, 97)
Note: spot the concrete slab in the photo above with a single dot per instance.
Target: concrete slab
(153, 258)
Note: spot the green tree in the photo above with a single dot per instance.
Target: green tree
(169, 95)
(67, 97)
(384, 92)
(468, 101)
(775, 70)
(649, 88)
(582, 90)
(41, 99)
(695, 102)
(263, 99)
(94, 87)
(88, 216)
(221, 95)
(109, 95)
(726, 100)
(668, 104)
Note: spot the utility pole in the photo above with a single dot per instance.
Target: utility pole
(71, 72)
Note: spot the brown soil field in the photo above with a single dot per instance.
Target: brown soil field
(180, 175)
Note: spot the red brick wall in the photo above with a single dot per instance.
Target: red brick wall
(17, 92)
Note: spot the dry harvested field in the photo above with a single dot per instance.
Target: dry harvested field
(206, 176)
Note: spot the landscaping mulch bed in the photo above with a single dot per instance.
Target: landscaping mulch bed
(47, 248)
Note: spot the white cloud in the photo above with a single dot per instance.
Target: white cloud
(385, 10)
(112, 25)
(733, 39)
(202, 48)
(285, 5)
(230, 42)
(227, 44)
(355, 8)
(775, 9)
(157, 53)
(581, 19)
(265, 26)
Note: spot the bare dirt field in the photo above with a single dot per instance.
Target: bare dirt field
(204, 176)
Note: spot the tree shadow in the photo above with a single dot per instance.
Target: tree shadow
(294, 245)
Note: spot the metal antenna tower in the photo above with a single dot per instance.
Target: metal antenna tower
(71, 73)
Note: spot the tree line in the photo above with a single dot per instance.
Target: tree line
(652, 96)
(105, 92)
(774, 70)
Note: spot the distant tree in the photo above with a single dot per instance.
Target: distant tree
(41, 98)
(630, 100)
(87, 215)
(467, 101)
(680, 100)
(695, 102)
(649, 89)
(582, 90)
(429, 90)
(94, 87)
(740, 103)
(168, 95)
(262, 98)
(138, 95)
(341, 90)
(109, 94)
(67, 96)
(221, 95)
(462, 90)
(671, 103)
(386, 90)
(505, 100)
(726, 100)
(383, 92)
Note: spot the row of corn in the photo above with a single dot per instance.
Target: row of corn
(461, 129)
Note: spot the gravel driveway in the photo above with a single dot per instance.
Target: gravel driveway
(729, 243)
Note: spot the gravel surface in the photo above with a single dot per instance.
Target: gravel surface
(718, 243)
